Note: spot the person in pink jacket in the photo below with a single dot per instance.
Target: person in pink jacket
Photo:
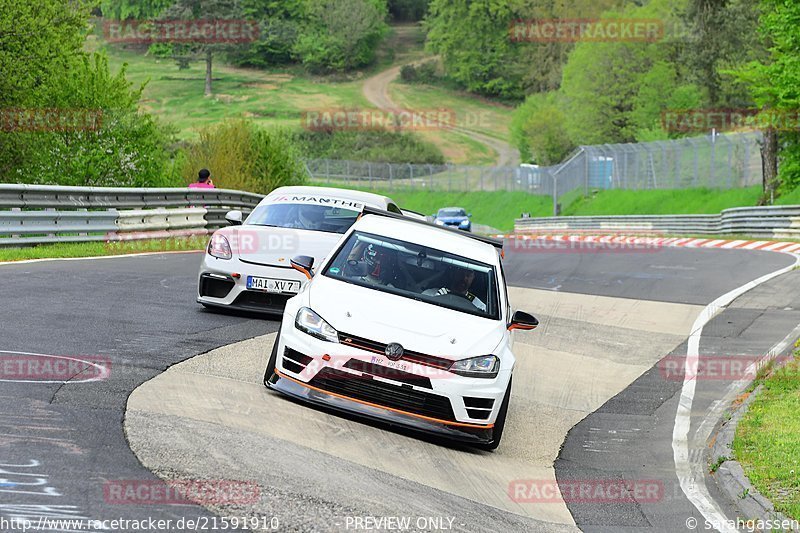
(203, 180)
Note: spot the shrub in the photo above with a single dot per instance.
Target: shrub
(244, 157)
(123, 148)
(341, 34)
(425, 72)
(369, 145)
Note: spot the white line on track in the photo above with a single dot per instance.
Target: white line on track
(102, 370)
(691, 473)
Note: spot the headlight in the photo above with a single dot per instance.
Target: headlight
(464, 223)
(219, 247)
(438, 222)
(485, 366)
(310, 322)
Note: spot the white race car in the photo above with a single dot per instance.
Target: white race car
(247, 266)
(406, 322)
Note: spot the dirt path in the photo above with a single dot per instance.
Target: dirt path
(376, 90)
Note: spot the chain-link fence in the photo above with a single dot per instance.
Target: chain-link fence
(713, 161)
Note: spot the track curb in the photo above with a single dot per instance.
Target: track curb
(657, 242)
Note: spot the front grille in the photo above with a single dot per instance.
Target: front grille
(215, 287)
(261, 301)
(295, 361)
(383, 394)
(389, 373)
(379, 347)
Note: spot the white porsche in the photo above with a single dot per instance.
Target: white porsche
(246, 265)
(406, 322)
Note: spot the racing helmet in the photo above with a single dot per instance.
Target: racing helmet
(378, 260)
(311, 216)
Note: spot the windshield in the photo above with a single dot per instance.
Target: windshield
(452, 213)
(416, 271)
(303, 216)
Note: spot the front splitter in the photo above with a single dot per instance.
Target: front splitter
(468, 433)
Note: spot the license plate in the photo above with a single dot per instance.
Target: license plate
(273, 285)
(397, 365)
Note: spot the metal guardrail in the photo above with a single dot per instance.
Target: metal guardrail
(774, 222)
(39, 214)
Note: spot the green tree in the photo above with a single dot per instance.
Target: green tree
(660, 90)
(537, 130)
(775, 85)
(480, 51)
(472, 36)
(125, 149)
(133, 9)
(341, 34)
(720, 33)
(45, 71)
(615, 90)
(408, 10)
(245, 157)
(37, 38)
(190, 10)
(280, 23)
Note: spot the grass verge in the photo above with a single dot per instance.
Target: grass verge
(767, 441)
(97, 249)
(661, 202)
(495, 209)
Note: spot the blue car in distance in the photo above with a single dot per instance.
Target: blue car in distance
(454, 217)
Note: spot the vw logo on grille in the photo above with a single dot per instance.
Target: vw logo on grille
(394, 351)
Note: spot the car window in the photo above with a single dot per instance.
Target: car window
(452, 213)
(418, 272)
(303, 216)
(394, 209)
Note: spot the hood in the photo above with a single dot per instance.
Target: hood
(277, 246)
(418, 326)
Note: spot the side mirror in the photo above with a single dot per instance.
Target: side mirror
(304, 264)
(523, 320)
(469, 215)
(234, 217)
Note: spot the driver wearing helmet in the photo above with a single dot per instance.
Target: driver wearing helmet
(310, 217)
(459, 283)
(380, 264)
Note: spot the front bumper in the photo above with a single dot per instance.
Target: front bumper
(435, 402)
(302, 391)
(217, 287)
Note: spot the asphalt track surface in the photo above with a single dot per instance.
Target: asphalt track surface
(139, 313)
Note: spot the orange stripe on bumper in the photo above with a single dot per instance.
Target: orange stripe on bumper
(431, 419)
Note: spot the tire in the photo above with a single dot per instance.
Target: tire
(500, 423)
(273, 358)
